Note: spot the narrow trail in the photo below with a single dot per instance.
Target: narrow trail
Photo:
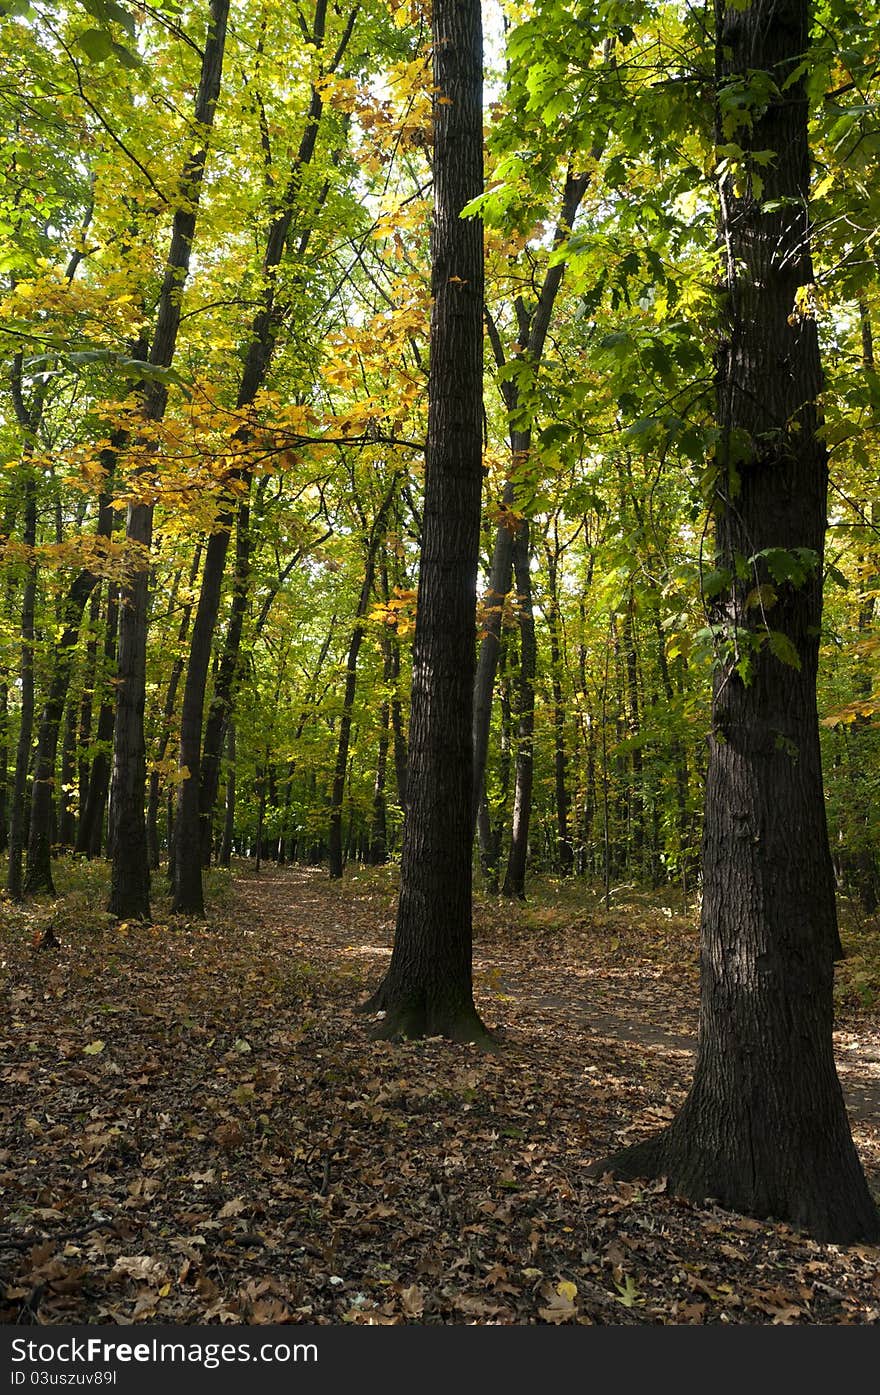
(292, 896)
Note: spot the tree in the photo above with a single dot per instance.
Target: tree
(764, 1127)
(428, 988)
(130, 883)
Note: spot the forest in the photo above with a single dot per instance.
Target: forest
(439, 577)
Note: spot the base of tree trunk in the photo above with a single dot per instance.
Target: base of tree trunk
(823, 1194)
(413, 1019)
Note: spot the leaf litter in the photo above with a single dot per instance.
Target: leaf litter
(197, 1129)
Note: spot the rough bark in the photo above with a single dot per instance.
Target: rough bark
(428, 990)
(764, 1128)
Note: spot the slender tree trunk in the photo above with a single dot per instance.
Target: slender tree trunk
(88, 834)
(515, 876)
(220, 707)
(39, 849)
(764, 1127)
(229, 813)
(18, 822)
(130, 874)
(564, 851)
(334, 838)
(533, 329)
(66, 816)
(636, 773)
(168, 718)
(428, 989)
(4, 766)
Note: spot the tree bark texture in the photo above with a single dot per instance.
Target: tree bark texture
(428, 988)
(764, 1128)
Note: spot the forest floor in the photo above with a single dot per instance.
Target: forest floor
(195, 1126)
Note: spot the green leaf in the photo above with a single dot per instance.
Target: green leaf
(783, 648)
(96, 44)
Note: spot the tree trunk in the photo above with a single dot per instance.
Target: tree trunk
(39, 848)
(428, 988)
(18, 823)
(88, 833)
(564, 851)
(764, 1127)
(130, 874)
(220, 707)
(533, 330)
(4, 767)
(334, 839)
(515, 876)
(229, 812)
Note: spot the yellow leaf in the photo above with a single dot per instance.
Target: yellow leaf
(567, 1290)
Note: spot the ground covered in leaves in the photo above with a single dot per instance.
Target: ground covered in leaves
(196, 1128)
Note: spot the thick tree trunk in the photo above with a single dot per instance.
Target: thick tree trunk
(764, 1127)
(130, 874)
(428, 989)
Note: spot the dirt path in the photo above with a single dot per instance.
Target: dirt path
(643, 998)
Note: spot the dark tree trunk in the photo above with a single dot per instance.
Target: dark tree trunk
(229, 812)
(4, 767)
(220, 707)
(130, 874)
(39, 848)
(515, 876)
(378, 851)
(532, 329)
(167, 719)
(18, 822)
(564, 850)
(195, 811)
(636, 780)
(334, 838)
(428, 988)
(66, 816)
(185, 852)
(88, 833)
(764, 1127)
(40, 831)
